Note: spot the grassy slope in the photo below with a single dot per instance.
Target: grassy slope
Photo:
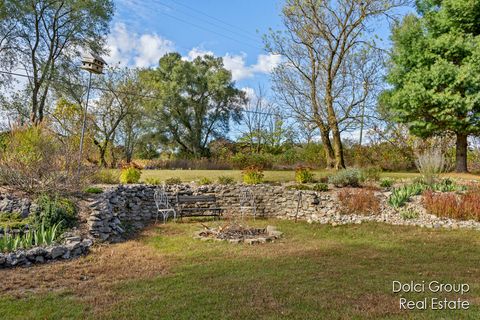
(315, 272)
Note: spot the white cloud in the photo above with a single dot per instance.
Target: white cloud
(267, 62)
(131, 49)
(197, 52)
(237, 63)
(240, 70)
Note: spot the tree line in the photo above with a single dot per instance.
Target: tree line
(334, 80)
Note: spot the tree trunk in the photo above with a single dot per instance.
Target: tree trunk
(461, 153)
(329, 154)
(338, 148)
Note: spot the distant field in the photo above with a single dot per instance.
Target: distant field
(270, 176)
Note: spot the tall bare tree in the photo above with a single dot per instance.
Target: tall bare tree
(330, 67)
(50, 33)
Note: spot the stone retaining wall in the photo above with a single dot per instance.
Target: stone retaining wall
(72, 248)
(124, 208)
(133, 206)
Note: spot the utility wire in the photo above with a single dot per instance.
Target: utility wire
(145, 96)
(208, 30)
(231, 28)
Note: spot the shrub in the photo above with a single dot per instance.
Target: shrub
(409, 214)
(346, 178)
(173, 181)
(430, 164)
(13, 220)
(55, 211)
(320, 187)
(358, 201)
(106, 177)
(304, 175)
(204, 181)
(462, 207)
(225, 180)
(252, 175)
(153, 181)
(371, 173)
(94, 190)
(261, 161)
(35, 160)
(386, 183)
(402, 195)
(130, 175)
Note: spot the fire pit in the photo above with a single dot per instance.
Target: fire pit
(239, 234)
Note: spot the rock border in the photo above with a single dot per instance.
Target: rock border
(271, 234)
(72, 248)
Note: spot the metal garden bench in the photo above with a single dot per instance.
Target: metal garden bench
(205, 206)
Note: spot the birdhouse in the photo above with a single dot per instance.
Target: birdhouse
(93, 63)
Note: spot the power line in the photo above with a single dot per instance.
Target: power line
(145, 96)
(208, 30)
(231, 28)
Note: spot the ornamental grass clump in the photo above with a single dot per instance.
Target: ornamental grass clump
(358, 201)
(456, 206)
(252, 175)
(205, 181)
(225, 180)
(430, 163)
(304, 175)
(130, 175)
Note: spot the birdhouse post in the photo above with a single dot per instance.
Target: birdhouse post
(93, 64)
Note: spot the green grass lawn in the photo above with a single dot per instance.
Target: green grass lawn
(314, 272)
(270, 176)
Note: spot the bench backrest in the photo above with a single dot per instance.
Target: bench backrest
(194, 199)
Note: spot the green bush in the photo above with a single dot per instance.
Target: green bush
(371, 173)
(36, 160)
(204, 181)
(55, 211)
(106, 177)
(92, 189)
(225, 180)
(304, 175)
(386, 183)
(346, 178)
(262, 161)
(409, 214)
(130, 175)
(173, 181)
(320, 187)
(153, 181)
(402, 195)
(253, 175)
(13, 220)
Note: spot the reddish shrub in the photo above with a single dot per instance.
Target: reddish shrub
(358, 201)
(450, 205)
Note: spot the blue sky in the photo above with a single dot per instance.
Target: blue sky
(142, 31)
